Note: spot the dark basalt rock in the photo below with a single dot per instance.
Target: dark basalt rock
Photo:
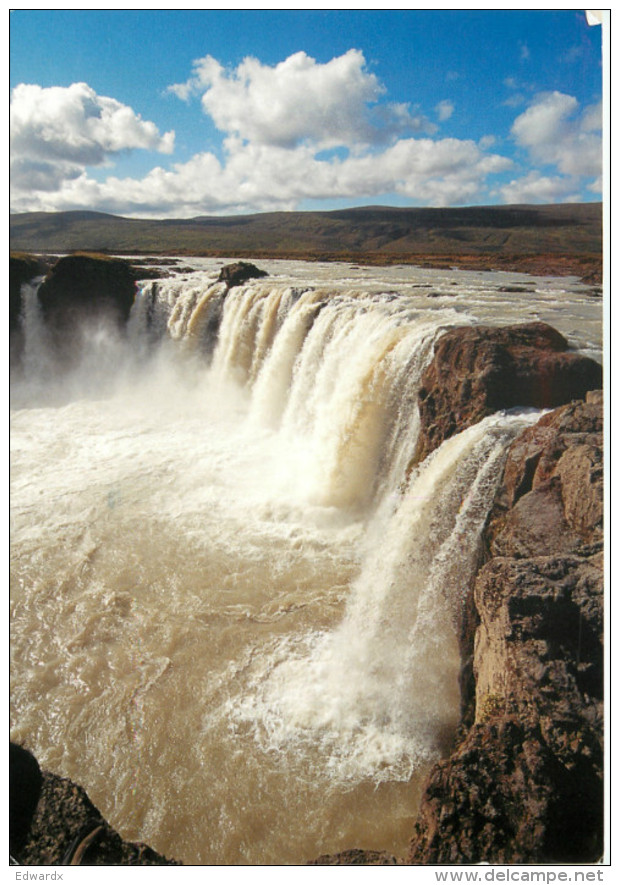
(525, 784)
(84, 292)
(239, 273)
(51, 819)
(477, 371)
(355, 856)
(25, 783)
(85, 286)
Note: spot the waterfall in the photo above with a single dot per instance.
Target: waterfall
(335, 375)
(223, 520)
(334, 379)
(378, 693)
(36, 360)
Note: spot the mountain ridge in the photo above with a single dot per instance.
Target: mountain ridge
(568, 233)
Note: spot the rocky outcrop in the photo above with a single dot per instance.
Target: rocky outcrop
(82, 290)
(476, 371)
(52, 821)
(525, 785)
(85, 286)
(239, 273)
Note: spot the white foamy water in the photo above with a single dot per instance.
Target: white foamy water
(232, 599)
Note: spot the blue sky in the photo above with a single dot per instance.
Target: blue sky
(178, 114)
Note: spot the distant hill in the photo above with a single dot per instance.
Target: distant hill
(385, 233)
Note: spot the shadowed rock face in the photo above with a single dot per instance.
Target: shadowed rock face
(25, 782)
(81, 286)
(525, 785)
(82, 290)
(476, 371)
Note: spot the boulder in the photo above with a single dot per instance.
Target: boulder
(525, 783)
(239, 273)
(52, 821)
(505, 798)
(476, 371)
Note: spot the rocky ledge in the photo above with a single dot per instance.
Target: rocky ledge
(81, 291)
(525, 784)
(477, 370)
(53, 822)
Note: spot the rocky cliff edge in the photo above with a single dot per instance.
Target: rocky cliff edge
(525, 784)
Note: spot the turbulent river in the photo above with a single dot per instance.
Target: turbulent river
(232, 599)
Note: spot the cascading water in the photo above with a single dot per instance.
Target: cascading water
(233, 597)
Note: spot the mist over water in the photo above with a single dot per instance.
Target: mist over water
(232, 599)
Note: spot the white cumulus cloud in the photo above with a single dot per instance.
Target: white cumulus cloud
(554, 131)
(292, 132)
(55, 132)
(537, 188)
(257, 177)
(565, 140)
(300, 100)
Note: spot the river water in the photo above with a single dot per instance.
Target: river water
(232, 600)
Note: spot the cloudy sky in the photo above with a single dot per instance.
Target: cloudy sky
(179, 114)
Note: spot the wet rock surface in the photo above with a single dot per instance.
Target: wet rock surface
(63, 827)
(525, 784)
(476, 371)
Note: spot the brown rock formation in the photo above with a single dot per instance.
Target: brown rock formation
(62, 826)
(525, 785)
(239, 273)
(478, 370)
